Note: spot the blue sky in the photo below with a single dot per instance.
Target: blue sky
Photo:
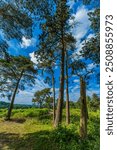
(27, 47)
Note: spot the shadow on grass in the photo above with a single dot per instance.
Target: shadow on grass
(57, 139)
(18, 120)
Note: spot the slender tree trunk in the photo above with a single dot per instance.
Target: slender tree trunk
(67, 93)
(83, 115)
(58, 118)
(53, 84)
(87, 110)
(13, 98)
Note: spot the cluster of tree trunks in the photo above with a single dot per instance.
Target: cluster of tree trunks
(58, 118)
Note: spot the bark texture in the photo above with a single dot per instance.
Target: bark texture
(67, 93)
(58, 118)
(83, 115)
(53, 84)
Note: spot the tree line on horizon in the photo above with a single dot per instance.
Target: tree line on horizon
(56, 47)
(93, 102)
(44, 99)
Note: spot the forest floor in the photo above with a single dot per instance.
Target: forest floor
(32, 129)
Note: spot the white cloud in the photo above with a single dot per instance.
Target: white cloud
(91, 66)
(90, 92)
(76, 81)
(27, 42)
(81, 17)
(90, 36)
(33, 58)
(75, 89)
(25, 97)
(82, 26)
(39, 85)
(71, 3)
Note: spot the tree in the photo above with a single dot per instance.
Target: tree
(61, 27)
(83, 115)
(15, 21)
(41, 97)
(54, 44)
(4, 82)
(45, 53)
(91, 48)
(49, 103)
(89, 2)
(12, 26)
(61, 21)
(46, 59)
(3, 50)
(67, 92)
(80, 69)
(47, 66)
(95, 102)
(19, 71)
(88, 99)
(69, 49)
(51, 80)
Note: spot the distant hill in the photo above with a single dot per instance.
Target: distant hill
(16, 106)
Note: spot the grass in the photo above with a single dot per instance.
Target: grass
(31, 129)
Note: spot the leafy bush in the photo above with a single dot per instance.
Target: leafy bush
(3, 113)
(32, 112)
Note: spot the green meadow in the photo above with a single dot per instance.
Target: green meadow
(32, 129)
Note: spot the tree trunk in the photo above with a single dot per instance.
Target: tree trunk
(67, 93)
(58, 118)
(53, 84)
(13, 98)
(83, 115)
(87, 110)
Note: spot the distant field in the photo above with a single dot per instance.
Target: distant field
(31, 129)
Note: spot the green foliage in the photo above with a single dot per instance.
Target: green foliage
(31, 128)
(43, 98)
(16, 106)
(38, 133)
(33, 112)
(77, 66)
(91, 48)
(15, 21)
(3, 50)
(95, 102)
(94, 18)
(18, 70)
(41, 114)
(3, 113)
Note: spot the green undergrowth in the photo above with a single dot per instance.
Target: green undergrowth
(32, 129)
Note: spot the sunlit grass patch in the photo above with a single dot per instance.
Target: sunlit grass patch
(32, 129)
